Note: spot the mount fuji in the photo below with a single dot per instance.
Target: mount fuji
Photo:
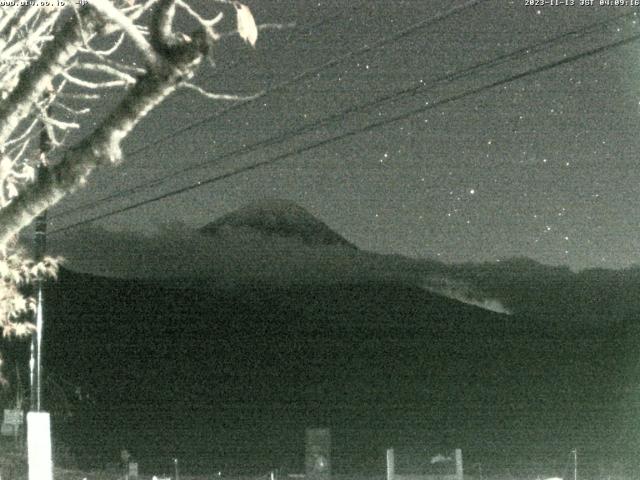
(271, 243)
(278, 218)
(268, 320)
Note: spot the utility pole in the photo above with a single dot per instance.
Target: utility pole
(40, 249)
(575, 464)
(391, 464)
(39, 422)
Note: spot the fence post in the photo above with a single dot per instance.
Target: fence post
(459, 470)
(391, 464)
(318, 454)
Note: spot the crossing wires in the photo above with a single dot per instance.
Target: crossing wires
(412, 29)
(338, 116)
(363, 129)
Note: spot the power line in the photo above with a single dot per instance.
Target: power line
(284, 136)
(301, 76)
(306, 128)
(307, 73)
(366, 128)
(210, 76)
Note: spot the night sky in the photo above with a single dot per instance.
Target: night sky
(542, 166)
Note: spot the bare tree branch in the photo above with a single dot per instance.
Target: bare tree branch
(37, 77)
(220, 96)
(128, 27)
(103, 145)
(43, 59)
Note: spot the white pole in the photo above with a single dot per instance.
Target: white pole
(390, 464)
(459, 471)
(39, 446)
(40, 247)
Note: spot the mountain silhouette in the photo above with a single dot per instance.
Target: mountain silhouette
(281, 218)
(273, 242)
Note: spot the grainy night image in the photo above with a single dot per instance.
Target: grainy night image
(321, 240)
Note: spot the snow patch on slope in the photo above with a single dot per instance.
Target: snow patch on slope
(464, 293)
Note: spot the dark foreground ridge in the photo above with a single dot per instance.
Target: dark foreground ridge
(233, 376)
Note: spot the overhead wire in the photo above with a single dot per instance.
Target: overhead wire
(284, 136)
(286, 83)
(267, 91)
(371, 126)
(215, 116)
(308, 127)
(313, 71)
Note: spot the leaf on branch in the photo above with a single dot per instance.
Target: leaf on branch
(51, 265)
(19, 304)
(6, 166)
(27, 173)
(247, 28)
(22, 329)
(18, 329)
(12, 191)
